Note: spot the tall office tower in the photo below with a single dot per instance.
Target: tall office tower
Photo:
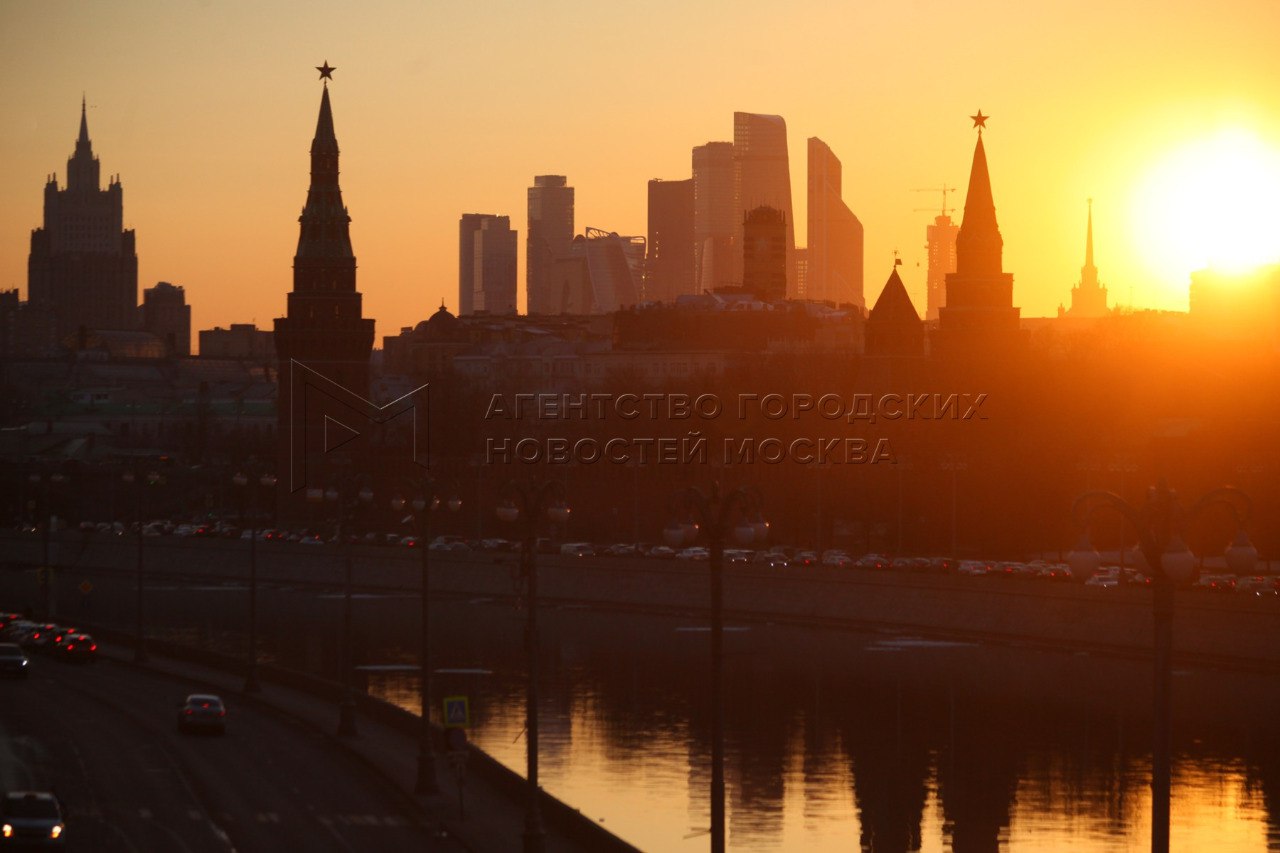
(802, 272)
(669, 269)
(601, 273)
(764, 253)
(494, 251)
(716, 218)
(83, 267)
(1089, 297)
(835, 234)
(166, 314)
(486, 264)
(979, 314)
(940, 243)
(549, 235)
(324, 328)
(763, 174)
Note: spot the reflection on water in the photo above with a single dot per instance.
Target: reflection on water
(834, 740)
(834, 745)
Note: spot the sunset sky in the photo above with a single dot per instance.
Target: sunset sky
(1167, 116)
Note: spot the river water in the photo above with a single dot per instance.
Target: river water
(835, 740)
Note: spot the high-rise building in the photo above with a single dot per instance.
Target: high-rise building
(670, 267)
(324, 328)
(601, 273)
(940, 244)
(835, 235)
(764, 174)
(716, 218)
(487, 249)
(979, 314)
(166, 314)
(83, 267)
(550, 232)
(764, 253)
(1088, 297)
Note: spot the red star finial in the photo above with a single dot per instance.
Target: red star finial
(980, 121)
(326, 70)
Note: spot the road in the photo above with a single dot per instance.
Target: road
(104, 736)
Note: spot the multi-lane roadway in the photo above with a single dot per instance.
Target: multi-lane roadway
(104, 737)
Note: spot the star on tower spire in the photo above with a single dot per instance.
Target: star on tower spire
(326, 70)
(980, 121)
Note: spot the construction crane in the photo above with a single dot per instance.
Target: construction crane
(944, 189)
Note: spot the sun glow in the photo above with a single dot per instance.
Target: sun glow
(1214, 202)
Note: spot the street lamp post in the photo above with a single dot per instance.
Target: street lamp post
(423, 506)
(716, 514)
(140, 637)
(45, 516)
(266, 482)
(526, 505)
(954, 466)
(344, 507)
(1159, 524)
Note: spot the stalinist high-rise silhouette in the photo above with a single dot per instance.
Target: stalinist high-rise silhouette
(83, 268)
(1089, 297)
(324, 328)
(979, 314)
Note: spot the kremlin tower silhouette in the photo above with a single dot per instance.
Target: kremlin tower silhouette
(979, 314)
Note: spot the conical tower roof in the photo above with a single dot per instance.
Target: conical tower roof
(894, 304)
(979, 246)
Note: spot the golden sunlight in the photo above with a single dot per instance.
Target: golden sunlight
(1214, 202)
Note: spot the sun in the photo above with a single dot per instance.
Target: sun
(1213, 202)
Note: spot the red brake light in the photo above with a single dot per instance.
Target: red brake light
(204, 704)
(188, 711)
(222, 713)
(94, 647)
(71, 646)
(36, 635)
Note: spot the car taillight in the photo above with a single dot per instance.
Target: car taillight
(204, 705)
(36, 635)
(94, 647)
(71, 646)
(222, 713)
(188, 711)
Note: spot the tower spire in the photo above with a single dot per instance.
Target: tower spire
(83, 139)
(82, 166)
(979, 246)
(1088, 240)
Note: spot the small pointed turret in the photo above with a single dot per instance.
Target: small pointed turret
(1088, 249)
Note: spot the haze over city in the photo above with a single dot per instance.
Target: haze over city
(1167, 121)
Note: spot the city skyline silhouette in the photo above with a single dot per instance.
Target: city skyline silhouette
(189, 168)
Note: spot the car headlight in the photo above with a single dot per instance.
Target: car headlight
(25, 661)
(56, 831)
(7, 831)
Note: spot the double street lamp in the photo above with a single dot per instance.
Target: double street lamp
(1159, 524)
(44, 517)
(527, 505)
(717, 516)
(423, 506)
(345, 507)
(137, 480)
(267, 482)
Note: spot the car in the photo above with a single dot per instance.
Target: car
(737, 555)
(31, 819)
(662, 552)
(872, 561)
(1259, 585)
(770, 560)
(1215, 583)
(202, 712)
(838, 559)
(577, 549)
(41, 637)
(693, 552)
(78, 648)
(13, 660)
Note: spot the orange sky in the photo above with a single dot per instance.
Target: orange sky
(206, 110)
